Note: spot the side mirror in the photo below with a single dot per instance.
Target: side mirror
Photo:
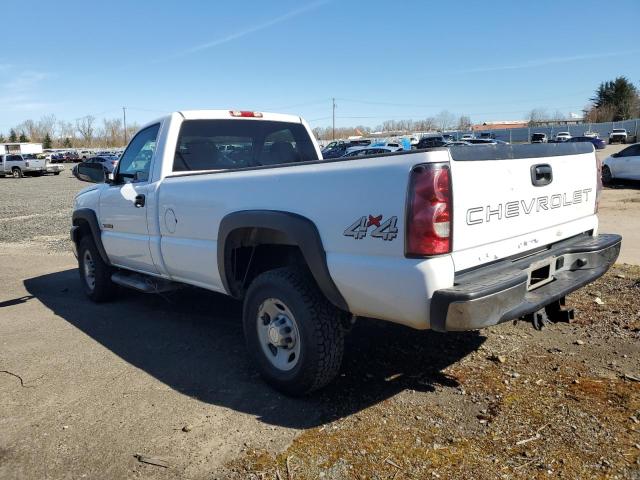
(89, 172)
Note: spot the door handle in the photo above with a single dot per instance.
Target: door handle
(139, 201)
(541, 174)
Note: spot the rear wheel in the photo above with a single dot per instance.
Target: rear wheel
(16, 172)
(606, 175)
(95, 274)
(293, 332)
(56, 173)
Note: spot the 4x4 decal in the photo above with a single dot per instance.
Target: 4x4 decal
(387, 231)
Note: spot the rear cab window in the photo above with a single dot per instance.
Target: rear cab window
(236, 144)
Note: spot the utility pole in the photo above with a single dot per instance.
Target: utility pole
(333, 135)
(124, 118)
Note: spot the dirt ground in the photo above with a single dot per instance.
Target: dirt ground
(85, 388)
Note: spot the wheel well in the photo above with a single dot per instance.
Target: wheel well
(252, 251)
(83, 229)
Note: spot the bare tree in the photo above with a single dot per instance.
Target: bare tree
(85, 127)
(537, 115)
(47, 125)
(464, 123)
(445, 120)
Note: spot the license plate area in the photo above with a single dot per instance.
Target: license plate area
(541, 273)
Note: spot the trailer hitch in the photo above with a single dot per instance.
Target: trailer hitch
(553, 313)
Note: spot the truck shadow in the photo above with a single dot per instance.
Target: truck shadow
(192, 341)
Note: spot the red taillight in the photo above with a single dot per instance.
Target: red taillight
(598, 183)
(429, 215)
(245, 113)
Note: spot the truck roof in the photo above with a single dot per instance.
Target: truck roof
(226, 115)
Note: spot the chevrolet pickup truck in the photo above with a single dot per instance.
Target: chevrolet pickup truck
(242, 203)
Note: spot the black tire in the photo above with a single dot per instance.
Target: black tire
(17, 173)
(318, 325)
(56, 173)
(607, 178)
(102, 288)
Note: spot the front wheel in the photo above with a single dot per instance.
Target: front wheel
(95, 274)
(17, 173)
(293, 333)
(606, 175)
(56, 173)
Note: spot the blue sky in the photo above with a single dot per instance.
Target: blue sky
(381, 60)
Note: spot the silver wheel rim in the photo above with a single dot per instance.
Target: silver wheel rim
(278, 334)
(16, 173)
(89, 270)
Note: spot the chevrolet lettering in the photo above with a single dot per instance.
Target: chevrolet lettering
(478, 215)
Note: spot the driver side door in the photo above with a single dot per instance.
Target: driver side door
(123, 210)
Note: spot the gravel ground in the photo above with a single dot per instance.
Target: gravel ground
(36, 211)
(509, 402)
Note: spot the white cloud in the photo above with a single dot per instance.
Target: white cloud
(542, 62)
(247, 31)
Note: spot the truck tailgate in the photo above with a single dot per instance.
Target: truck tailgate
(514, 199)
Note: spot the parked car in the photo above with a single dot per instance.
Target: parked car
(362, 151)
(467, 136)
(457, 143)
(481, 141)
(488, 135)
(562, 136)
(624, 165)
(108, 162)
(539, 138)
(618, 135)
(598, 143)
(50, 167)
(590, 134)
(309, 245)
(432, 142)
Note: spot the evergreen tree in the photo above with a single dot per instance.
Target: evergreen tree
(67, 143)
(619, 97)
(23, 138)
(2, 139)
(46, 143)
(13, 136)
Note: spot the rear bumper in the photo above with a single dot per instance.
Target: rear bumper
(499, 292)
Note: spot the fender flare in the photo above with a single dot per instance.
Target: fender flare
(297, 229)
(89, 216)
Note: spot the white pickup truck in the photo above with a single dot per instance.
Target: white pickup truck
(242, 203)
(18, 165)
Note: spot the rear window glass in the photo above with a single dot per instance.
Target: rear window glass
(231, 144)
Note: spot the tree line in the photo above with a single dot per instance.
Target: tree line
(444, 121)
(83, 132)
